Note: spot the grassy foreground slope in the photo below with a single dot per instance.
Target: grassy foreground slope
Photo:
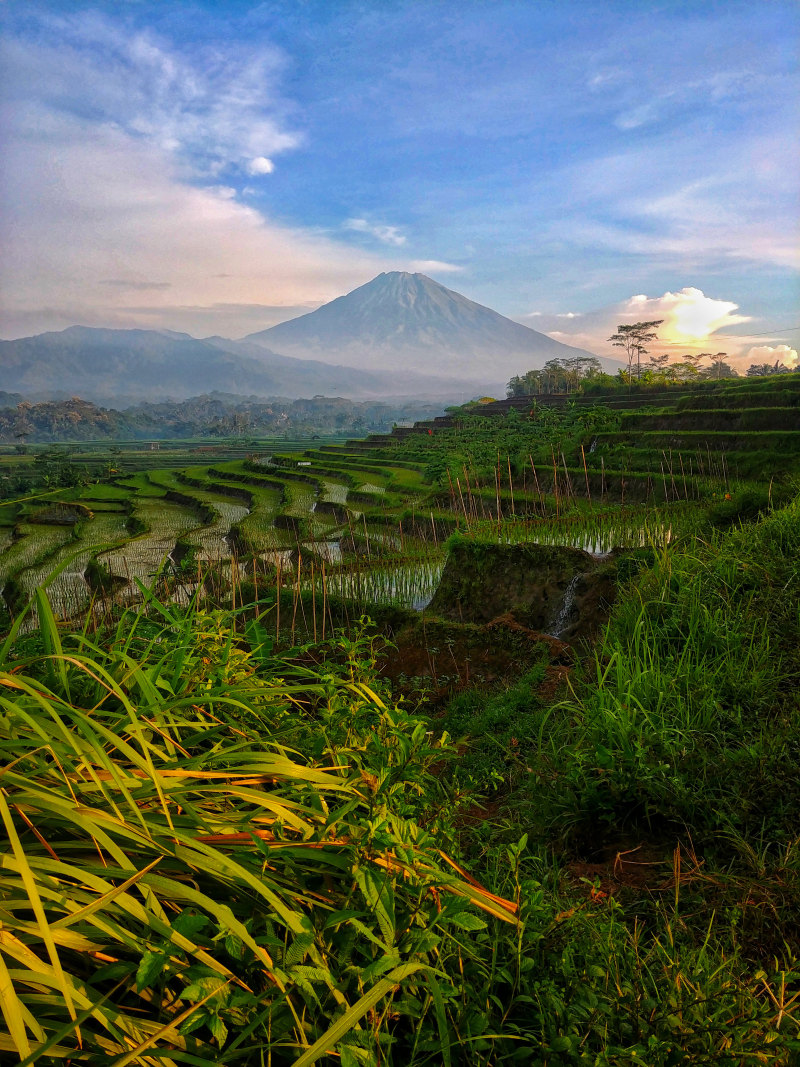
(223, 855)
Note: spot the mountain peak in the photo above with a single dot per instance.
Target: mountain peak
(411, 321)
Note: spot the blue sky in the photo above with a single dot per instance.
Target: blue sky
(216, 167)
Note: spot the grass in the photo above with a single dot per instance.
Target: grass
(227, 848)
(220, 854)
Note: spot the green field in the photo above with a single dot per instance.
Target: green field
(541, 806)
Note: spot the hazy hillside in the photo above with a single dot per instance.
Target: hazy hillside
(411, 319)
(400, 335)
(130, 365)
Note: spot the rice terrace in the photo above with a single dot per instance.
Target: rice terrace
(471, 742)
(399, 533)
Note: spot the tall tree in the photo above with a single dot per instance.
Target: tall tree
(718, 364)
(634, 339)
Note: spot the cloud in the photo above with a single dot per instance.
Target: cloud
(689, 315)
(690, 322)
(434, 266)
(389, 235)
(769, 354)
(113, 152)
(121, 283)
(108, 206)
(214, 106)
(260, 165)
(684, 207)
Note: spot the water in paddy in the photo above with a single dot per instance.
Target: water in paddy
(405, 585)
(597, 536)
(68, 592)
(6, 537)
(211, 541)
(279, 558)
(36, 543)
(144, 556)
(328, 551)
(333, 492)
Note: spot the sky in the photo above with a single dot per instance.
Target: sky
(216, 168)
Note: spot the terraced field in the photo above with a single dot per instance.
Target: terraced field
(367, 520)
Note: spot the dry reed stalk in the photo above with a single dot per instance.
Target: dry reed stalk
(570, 490)
(314, 601)
(683, 474)
(555, 478)
(497, 491)
(586, 475)
(277, 598)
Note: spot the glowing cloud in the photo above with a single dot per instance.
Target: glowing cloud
(689, 315)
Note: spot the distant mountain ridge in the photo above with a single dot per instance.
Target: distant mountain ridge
(400, 335)
(412, 318)
(132, 365)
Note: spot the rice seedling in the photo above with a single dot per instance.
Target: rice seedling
(62, 574)
(142, 557)
(32, 544)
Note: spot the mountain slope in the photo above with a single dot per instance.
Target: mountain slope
(132, 365)
(428, 328)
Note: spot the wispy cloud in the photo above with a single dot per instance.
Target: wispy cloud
(115, 144)
(388, 235)
(214, 107)
(122, 283)
(434, 266)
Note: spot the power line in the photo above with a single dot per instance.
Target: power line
(770, 333)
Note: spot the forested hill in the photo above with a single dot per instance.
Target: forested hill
(214, 415)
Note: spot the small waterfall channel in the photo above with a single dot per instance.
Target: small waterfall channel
(562, 616)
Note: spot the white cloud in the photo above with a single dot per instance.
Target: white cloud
(769, 354)
(93, 205)
(389, 235)
(214, 107)
(117, 182)
(434, 266)
(260, 165)
(689, 315)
